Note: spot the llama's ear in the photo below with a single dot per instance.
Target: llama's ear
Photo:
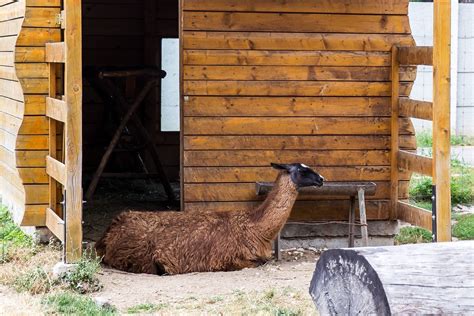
(278, 166)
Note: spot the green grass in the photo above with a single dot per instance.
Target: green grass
(464, 228)
(413, 235)
(82, 279)
(462, 185)
(425, 139)
(145, 308)
(68, 303)
(34, 281)
(11, 235)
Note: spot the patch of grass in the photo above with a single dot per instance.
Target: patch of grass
(461, 140)
(427, 205)
(425, 139)
(464, 228)
(462, 185)
(413, 235)
(67, 303)
(34, 281)
(82, 279)
(11, 236)
(286, 301)
(145, 308)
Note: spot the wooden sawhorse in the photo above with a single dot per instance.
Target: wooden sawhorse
(352, 189)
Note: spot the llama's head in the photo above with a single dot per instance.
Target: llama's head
(301, 175)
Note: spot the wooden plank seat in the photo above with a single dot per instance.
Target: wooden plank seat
(352, 189)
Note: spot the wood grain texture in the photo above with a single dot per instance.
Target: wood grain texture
(293, 41)
(415, 215)
(266, 174)
(416, 163)
(284, 106)
(285, 58)
(295, 22)
(291, 88)
(391, 282)
(294, 73)
(291, 126)
(416, 109)
(325, 6)
(276, 81)
(293, 142)
(73, 156)
(441, 116)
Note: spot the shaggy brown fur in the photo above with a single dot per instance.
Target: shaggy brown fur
(182, 242)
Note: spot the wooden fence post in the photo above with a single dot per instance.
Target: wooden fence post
(395, 77)
(441, 117)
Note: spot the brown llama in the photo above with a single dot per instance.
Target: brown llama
(183, 242)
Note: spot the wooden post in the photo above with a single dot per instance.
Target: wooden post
(351, 221)
(363, 218)
(395, 77)
(53, 186)
(441, 117)
(73, 159)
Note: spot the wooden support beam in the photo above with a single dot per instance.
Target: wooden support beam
(56, 170)
(415, 55)
(414, 215)
(73, 133)
(56, 109)
(55, 224)
(415, 108)
(394, 134)
(416, 163)
(55, 53)
(441, 116)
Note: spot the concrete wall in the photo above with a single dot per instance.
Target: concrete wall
(462, 63)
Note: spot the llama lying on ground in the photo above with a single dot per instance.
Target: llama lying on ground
(183, 242)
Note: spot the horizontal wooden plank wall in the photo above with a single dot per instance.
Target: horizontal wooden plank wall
(12, 107)
(114, 35)
(40, 26)
(290, 81)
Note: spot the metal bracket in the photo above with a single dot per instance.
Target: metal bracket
(61, 19)
(433, 216)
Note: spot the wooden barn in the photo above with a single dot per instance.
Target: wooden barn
(322, 82)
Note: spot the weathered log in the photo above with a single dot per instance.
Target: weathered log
(411, 279)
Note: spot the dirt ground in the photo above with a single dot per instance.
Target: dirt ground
(221, 292)
(276, 288)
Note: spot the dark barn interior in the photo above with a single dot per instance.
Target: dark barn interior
(120, 35)
(126, 35)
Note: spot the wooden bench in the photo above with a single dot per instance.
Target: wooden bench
(351, 189)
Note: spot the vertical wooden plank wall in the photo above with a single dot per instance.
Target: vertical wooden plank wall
(12, 192)
(305, 81)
